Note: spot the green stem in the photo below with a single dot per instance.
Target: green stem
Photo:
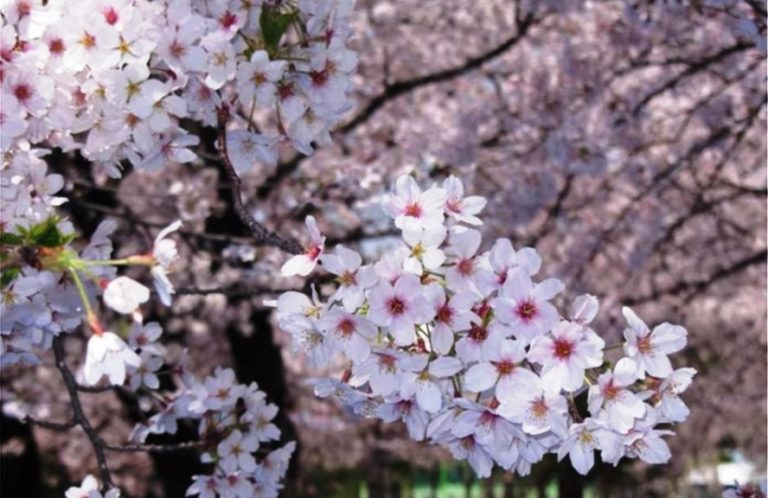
(83, 294)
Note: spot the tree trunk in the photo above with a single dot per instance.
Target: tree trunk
(20, 462)
(257, 359)
(488, 485)
(569, 483)
(434, 481)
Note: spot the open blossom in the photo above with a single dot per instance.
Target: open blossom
(89, 488)
(246, 149)
(165, 254)
(125, 295)
(236, 452)
(611, 394)
(525, 306)
(425, 252)
(108, 355)
(400, 308)
(452, 314)
(460, 208)
(670, 406)
(424, 382)
(257, 79)
(397, 408)
(353, 332)
(353, 279)
(566, 354)
(462, 249)
(303, 264)
(538, 411)
(649, 348)
(502, 259)
(413, 209)
(505, 371)
(581, 443)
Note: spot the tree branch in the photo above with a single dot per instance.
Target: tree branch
(395, 90)
(694, 287)
(79, 416)
(262, 234)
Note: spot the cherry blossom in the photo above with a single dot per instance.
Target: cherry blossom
(108, 355)
(649, 348)
(303, 264)
(124, 294)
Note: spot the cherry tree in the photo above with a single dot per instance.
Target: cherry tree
(463, 172)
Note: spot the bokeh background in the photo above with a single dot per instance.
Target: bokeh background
(626, 141)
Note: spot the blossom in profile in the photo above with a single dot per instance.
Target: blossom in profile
(303, 264)
(89, 488)
(650, 348)
(108, 355)
(125, 295)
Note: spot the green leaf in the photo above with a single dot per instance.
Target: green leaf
(10, 239)
(47, 234)
(8, 275)
(274, 25)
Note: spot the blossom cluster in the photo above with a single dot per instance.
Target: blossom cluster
(467, 348)
(117, 79)
(50, 290)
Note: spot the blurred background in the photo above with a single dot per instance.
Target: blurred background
(626, 141)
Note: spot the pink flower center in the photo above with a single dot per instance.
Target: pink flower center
(345, 327)
(478, 333)
(488, 418)
(505, 367)
(539, 408)
(468, 443)
(177, 49)
(445, 314)
(285, 91)
(56, 46)
(526, 310)
(110, 15)
(611, 391)
(466, 266)
(562, 349)
(227, 20)
(22, 92)
(258, 78)
(453, 205)
(404, 406)
(24, 8)
(396, 306)
(319, 78)
(413, 209)
(387, 362)
(644, 344)
(314, 251)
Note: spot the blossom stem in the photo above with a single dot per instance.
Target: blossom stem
(613, 346)
(90, 315)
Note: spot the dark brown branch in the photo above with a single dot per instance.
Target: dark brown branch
(234, 291)
(261, 233)
(694, 287)
(395, 90)
(153, 448)
(399, 88)
(693, 68)
(52, 426)
(78, 415)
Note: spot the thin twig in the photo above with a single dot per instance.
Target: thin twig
(262, 234)
(52, 426)
(153, 448)
(78, 414)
